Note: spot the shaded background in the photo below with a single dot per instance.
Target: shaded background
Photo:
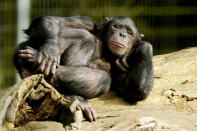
(169, 25)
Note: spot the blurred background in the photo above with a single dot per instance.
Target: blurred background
(169, 25)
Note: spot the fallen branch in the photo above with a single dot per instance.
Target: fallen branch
(36, 100)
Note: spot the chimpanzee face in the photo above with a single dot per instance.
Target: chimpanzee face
(121, 36)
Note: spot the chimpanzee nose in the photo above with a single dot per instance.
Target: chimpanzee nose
(122, 34)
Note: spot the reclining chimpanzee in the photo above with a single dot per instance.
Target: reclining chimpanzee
(77, 55)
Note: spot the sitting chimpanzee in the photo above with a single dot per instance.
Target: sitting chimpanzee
(68, 50)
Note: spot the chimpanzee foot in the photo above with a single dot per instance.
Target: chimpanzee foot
(85, 106)
(87, 109)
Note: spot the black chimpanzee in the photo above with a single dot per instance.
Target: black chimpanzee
(65, 49)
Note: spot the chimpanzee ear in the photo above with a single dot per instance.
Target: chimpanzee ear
(141, 35)
(103, 23)
(106, 19)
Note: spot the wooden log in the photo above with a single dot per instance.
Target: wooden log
(36, 100)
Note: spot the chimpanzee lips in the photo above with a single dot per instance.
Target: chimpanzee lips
(118, 44)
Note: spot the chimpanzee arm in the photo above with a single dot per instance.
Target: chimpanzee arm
(44, 36)
(68, 38)
(137, 82)
(74, 77)
(79, 22)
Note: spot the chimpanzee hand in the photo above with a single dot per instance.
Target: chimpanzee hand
(122, 64)
(44, 61)
(51, 58)
(88, 110)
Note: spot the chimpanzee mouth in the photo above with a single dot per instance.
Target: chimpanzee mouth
(118, 44)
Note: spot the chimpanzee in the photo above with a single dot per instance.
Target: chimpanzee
(66, 49)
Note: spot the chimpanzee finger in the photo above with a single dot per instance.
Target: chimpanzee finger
(41, 67)
(94, 114)
(36, 61)
(48, 67)
(28, 47)
(31, 61)
(27, 51)
(39, 58)
(88, 113)
(53, 67)
(58, 61)
(26, 56)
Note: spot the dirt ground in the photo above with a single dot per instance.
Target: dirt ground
(172, 105)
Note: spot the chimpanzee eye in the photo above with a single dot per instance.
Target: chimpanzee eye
(117, 26)
(130, 32)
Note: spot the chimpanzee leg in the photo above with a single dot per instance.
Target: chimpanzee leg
(83, 81)
(139, 78)
(73, 77)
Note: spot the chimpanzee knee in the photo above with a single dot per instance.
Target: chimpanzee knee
(81, 51)
(82, 81)
(104, 84)
(44, 27)
(134, 94)
(101, 86)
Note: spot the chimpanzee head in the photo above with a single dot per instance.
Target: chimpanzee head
(119, 34)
